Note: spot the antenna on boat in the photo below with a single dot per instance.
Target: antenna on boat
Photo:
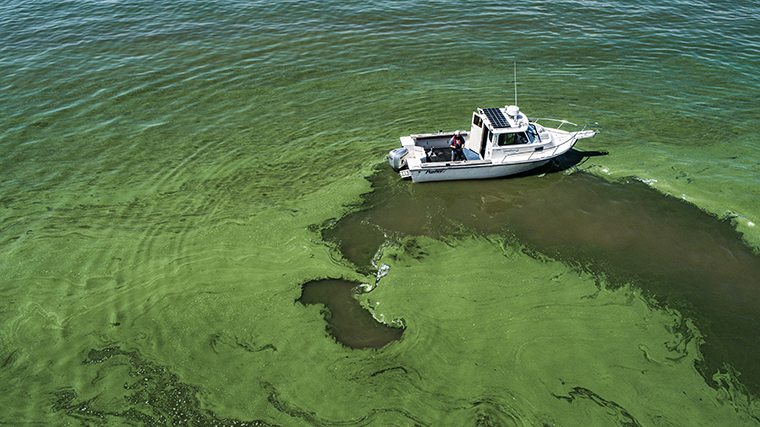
(515, 65)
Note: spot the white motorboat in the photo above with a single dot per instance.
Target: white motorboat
(501, 142)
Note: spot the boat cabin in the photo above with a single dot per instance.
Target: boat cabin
(497, 132)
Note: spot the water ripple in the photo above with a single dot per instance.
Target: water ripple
(132, 132)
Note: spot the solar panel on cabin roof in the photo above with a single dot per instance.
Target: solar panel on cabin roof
(496, 117)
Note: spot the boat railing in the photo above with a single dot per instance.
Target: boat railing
(561, 122)
(537, 155)
(585, 126)
(590, 126)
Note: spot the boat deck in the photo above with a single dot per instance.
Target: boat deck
(440, 155)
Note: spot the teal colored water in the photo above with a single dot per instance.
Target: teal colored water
(169, 171)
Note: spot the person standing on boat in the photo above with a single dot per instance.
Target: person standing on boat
(457, 147)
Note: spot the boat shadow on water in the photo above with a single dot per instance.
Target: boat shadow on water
(621, 232)
(572, 159)
(569, 160)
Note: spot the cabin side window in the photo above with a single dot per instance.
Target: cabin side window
(476, 120)
(509, 139)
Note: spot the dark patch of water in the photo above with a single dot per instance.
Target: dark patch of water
(347, 320)
(624, 233)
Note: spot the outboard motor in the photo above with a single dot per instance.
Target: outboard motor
(397, 158)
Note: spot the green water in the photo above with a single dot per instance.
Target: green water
(168, 172)
(621, 234)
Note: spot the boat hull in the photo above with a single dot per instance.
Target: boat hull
(455, 172)
(501, 142)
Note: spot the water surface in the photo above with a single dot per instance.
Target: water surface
(168, 169)
(349, 323)
(622, 233)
